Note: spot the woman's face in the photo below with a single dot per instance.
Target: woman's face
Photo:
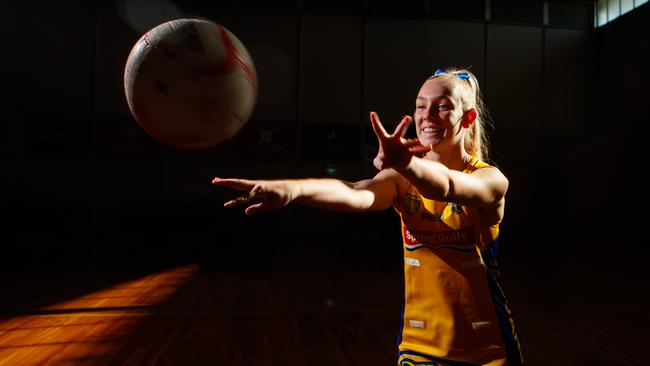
(438, 113)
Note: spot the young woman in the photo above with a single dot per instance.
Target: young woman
(450, 202)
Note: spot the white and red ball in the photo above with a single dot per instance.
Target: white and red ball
(190, 83)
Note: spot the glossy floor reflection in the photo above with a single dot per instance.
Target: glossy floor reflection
(233, 309)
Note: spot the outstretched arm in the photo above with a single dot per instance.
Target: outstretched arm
(373, 194)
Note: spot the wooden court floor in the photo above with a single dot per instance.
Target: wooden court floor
(202, 313)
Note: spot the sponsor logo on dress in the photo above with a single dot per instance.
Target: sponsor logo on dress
(463, 239)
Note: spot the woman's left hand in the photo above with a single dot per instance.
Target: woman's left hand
(394, 150)
(259, 195)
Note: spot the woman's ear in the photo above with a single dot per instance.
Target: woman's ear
(469, 117)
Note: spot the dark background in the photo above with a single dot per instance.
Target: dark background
(84, 190)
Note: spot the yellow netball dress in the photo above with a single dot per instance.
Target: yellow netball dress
(454, 309)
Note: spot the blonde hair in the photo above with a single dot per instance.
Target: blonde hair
(475, 140)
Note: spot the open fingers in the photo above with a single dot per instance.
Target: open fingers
(241, 184)
(411, 142)
(403, 126)
(237, 201)
(257, 208)
(252, 195)
(415, 146)
(420, 150)
(378, 127)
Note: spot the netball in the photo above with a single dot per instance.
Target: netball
(190, 83)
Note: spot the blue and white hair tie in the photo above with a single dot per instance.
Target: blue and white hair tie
(461, 75)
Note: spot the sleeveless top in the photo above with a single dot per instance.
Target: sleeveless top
(449, 311)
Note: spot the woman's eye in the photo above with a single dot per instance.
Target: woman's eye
(443, 106)
(420, 107)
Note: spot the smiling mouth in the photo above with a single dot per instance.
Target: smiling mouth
(432, 130)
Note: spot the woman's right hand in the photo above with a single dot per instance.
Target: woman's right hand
(394, 150)
(263, 194)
